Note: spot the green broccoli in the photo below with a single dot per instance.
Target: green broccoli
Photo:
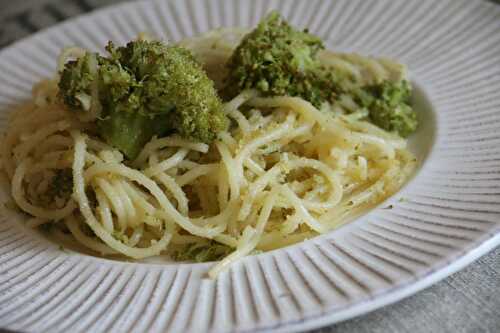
(145, 88)
(46, 227)
(278, 60)
(75, 82)
(388, 105)
(61, 185)
(202, 252)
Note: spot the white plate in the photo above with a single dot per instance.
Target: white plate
(449, 216)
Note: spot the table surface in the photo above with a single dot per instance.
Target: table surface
(468, 301)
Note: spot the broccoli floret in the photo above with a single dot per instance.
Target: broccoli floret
(61, 185)
(389, 107)
(202, 252)
(46, 227)
(172, 77)
(147, 88)
(75, 83)
(129, 132)
(278, 60)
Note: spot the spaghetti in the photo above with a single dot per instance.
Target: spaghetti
(283, 172)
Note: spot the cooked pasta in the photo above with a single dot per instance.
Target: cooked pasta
(283, 172)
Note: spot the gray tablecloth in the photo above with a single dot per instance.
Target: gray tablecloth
(468, 301)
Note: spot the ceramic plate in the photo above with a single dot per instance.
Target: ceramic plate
(444, 218)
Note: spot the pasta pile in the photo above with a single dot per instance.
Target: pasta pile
(284, 172)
